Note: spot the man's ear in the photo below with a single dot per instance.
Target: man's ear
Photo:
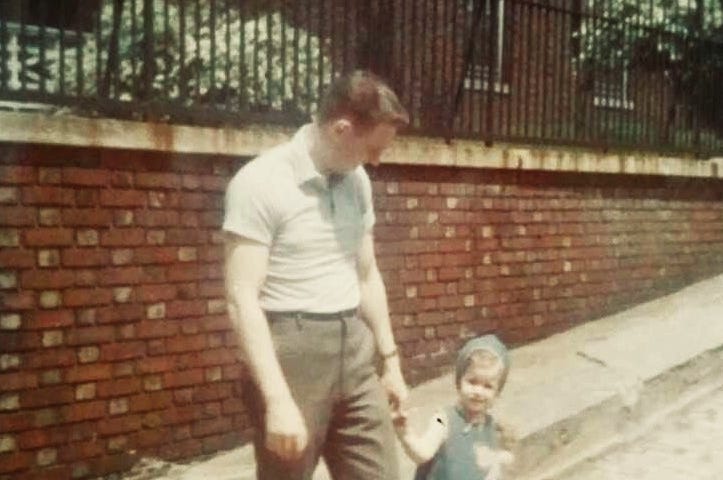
(342, 126)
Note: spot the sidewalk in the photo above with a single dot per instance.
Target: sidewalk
(575, 394)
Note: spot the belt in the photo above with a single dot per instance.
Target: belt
(299, 315)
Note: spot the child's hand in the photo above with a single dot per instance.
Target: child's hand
(492, 460)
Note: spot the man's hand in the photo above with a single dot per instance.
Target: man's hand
(395, 386)
(286, 432)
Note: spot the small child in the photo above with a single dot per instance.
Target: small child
(462, 441)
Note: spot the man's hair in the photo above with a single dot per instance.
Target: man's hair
(364, 98)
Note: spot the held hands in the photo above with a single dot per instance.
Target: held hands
(395, 386)
(286, 432)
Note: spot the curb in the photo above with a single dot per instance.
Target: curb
(554, 451)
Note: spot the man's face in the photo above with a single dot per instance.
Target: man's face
(358, 146)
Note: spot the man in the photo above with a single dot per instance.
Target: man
(305, 294)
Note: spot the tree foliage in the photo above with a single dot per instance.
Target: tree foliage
(218, 57)
(683, 39)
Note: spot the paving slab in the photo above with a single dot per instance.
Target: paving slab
(572, 395)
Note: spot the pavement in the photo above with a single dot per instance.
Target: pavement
(569, 397)
(686, 445)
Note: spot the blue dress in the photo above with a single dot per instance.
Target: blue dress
(456, 459)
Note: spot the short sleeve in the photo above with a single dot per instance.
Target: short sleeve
(248, 210)
(365, 186)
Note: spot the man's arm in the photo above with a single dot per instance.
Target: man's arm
(375, 311)
(246, 264)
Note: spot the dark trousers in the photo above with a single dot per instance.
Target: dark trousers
(329, 366)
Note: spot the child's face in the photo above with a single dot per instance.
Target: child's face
(479, 386)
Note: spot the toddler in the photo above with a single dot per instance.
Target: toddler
(462, 441)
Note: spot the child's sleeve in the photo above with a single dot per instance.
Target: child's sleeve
(421, 448)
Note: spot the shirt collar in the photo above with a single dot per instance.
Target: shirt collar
(304, 167)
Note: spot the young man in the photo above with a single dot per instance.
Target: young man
(305, 294)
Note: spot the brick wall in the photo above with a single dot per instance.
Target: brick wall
(114, 342)
(527, 254)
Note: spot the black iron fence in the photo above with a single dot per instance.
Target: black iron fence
(605, 73)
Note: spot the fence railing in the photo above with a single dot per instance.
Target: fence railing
(603, 73)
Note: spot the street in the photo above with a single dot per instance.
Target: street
(687, 446)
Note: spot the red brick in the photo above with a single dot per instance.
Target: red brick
(157, 218)
(122, 276)
(458, 259)
(180, 273)
(18, 380)
(217, 391)
(118, 387)
(218, 356)
(120, 313)
(87, 217)
(156, 329)
(193, 201)
(18, 341)
(17, 301)
(156, 293)
(18, 216)
(164, 363)
(185, 308)
(153, 438)
(232, 405)
(146, 255)
(186, 343)
(81, 451)
(185, 236)
(86, 197)
(431, 289)
(190, 219)
(183, 378)
(123, 198)
(430, 318)
(86, 277)
(85, 176)
(84, 257)
(144, 402)
(212, 271)
(213, 183)
(39, 438)
(158, 180)
(202, 428)
(122, 351)
(212, 289)
(88, 373)
(12, 174)
(16, 421)
(90, 335)
(47, 279)
(45, 195)
(44, 397)
(14, 461)
(118, 425)
(46, 237)
(17, 258)
(87, 297)
(47, 358)
(44, 319)
(213, 219)
(123, 237)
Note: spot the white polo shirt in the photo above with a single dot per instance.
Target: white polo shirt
(313, 231)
